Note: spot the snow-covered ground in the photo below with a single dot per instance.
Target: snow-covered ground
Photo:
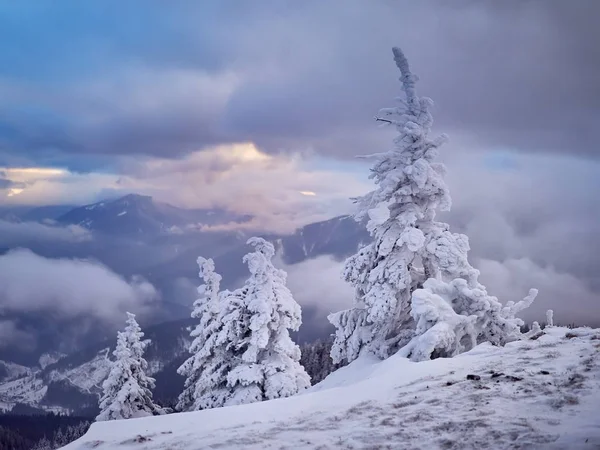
(542, 393)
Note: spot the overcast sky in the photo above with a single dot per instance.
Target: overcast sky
(261, 106)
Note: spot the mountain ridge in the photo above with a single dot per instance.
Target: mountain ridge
(135, 214)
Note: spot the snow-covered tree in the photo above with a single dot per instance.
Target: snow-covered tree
(415, 288)
(213, 347)
(127, 390)
(270, 363)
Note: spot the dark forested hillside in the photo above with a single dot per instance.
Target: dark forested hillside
(40, 432)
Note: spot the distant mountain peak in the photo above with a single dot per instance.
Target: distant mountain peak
(140, 215)
(134, 198)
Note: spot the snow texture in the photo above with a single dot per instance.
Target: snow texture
(541, 393)
(414, 285)
(127, 390)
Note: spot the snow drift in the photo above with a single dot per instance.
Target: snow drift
(541, 393)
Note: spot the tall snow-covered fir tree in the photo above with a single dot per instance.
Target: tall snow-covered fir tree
(414, 287)
(127, 390)
(270, 363)
(214, 344)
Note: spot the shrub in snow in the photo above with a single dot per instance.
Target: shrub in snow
(127, 390)
(269, 364)
(214, 343)
(415, 288)
(550, 318)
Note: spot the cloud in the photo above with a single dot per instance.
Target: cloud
(16, 234)
(253, 106)
(271, 188)
(280, 191)
(531, 220)
(12, 336)
(69, 288)
(568, 296)
(6, 184)
(38, 185)
(197, 75)
(515, 206)
(318, 287)
(525, 230)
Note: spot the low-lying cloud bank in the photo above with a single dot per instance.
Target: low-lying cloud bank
(14, 234)
(69, 288)
(318, 286)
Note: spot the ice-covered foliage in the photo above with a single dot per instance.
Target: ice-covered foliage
(394, 306)
(269, 367)
(127, 390)
(550, 318)
(453, 317)
(214, 343)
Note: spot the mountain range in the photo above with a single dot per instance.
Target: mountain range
(137, 236)
(141, 215)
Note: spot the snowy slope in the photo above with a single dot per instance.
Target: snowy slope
(542, 393)
(71, 384)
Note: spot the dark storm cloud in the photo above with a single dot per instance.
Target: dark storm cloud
(516, 73)
(523, 74)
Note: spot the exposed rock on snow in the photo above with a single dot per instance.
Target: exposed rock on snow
(540, 393)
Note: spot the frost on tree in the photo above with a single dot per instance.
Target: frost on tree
(414, 287)
(213, 347)
(127, 390)
(270, 363)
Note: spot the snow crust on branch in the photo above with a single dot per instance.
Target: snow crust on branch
(414, 286)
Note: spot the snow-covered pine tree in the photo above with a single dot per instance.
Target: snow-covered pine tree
(270, 363)
(414, 287)
(213, 347)
(127, 390)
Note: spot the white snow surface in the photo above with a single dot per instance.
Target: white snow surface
(28, 390)
(50, 358)
(87, 376)
(541, 393)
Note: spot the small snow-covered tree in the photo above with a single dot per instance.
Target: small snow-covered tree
(127, 390)
(213, 347)
(270, 363)
(415, 288)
